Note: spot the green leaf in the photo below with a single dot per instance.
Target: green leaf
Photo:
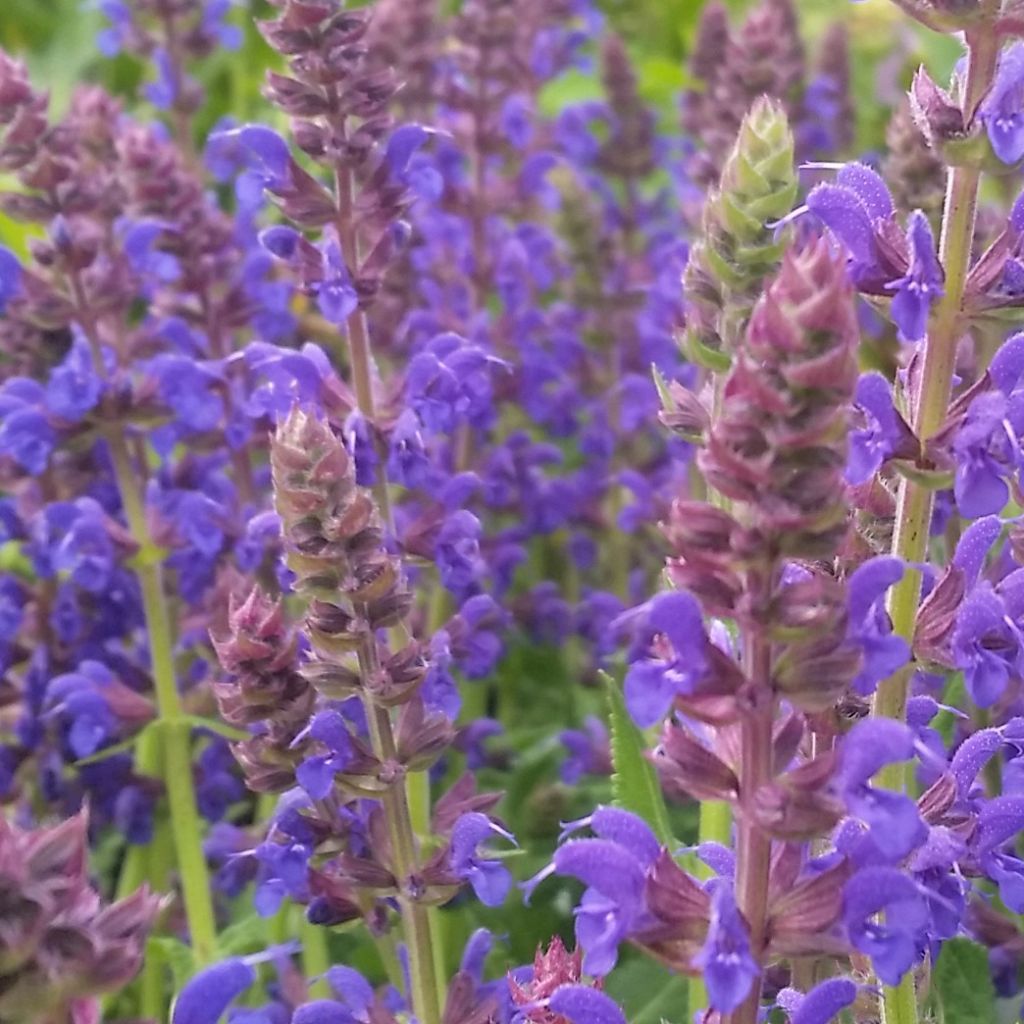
(954, 696)
(178, 957)
(244, 936)
(648, 992)
(116, 748)
(963, 984)
(634, 782)
(229, 732)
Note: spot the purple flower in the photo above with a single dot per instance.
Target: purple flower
(457, 551)
(922, 285)
(726, 961)
(322, 1011)
(824, 1002)
(139, 240)
(289, 377)
(359, 441)
(352, 990)
(667, 656)
(439, 690)
(449, 382)
(869, 625)
(189, 389)
(110, 41)
(408, 460)
(999, 826)
(86, 550)
(74, 387)
(25, 432)
(986, 644)
(283, 871)
(973, 548)
(10, 277)
(335, 294)
(851, 208)
(472, 739)
(614, 869)
(883, 432)
(316, 773)
(78, 699)
(262, 149)
(1002, 112)
(886, 918)
(209, 993)
(214, 24)
(163, 93)
(489, 878)
(987, 452)
(403, 143)
(582, 1004)
(858, 209)
(587, 748)
(892, 820)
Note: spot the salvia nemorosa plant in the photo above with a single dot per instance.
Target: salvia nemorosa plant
(441, 482)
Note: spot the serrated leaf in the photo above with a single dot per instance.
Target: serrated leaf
(634, 782)
(963, 984)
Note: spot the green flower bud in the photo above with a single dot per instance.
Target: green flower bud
(738, 250)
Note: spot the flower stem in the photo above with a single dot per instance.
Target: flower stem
(929, 406)
(754, 846)
(176, 732)
(426, 992)
(315, 957)
(176, 735)
(425, 995)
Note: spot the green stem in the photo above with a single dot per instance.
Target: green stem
(177, 746)
(426, 994)
(899, 1004)
(137, 858)
(315, 957)
(176, 736)
(418, 788)
(929, 407)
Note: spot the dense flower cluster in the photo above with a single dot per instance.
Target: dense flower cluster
(458, 451)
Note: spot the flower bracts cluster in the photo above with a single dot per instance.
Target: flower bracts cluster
(737, 247)
(335, 547)
(60, 945)
(778, 446)
(263, 685)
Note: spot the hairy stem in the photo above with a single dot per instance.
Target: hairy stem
(929, 406)
(754, 847)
